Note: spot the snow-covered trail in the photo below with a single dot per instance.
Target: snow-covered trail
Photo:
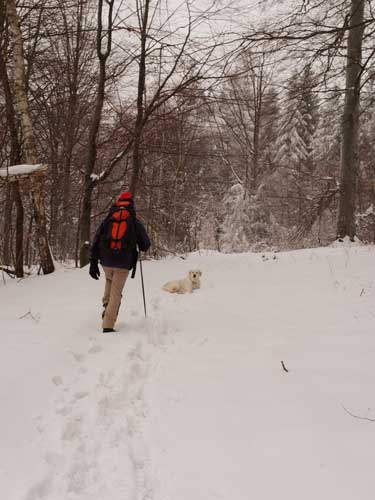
(193, 402)
(71, 398)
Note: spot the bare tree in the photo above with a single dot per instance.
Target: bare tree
(179, 116)
(241, 108)
(350, 123)
(29, 145)
(184, 68)
(317, 33)
(14, 194)
(78, 52)
(143, 10)
(103, 34)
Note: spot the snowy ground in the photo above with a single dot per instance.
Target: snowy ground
(193, 402)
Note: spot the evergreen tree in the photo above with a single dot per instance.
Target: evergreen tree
(298, 125)
(235, 235)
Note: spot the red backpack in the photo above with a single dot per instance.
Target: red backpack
(118, 235)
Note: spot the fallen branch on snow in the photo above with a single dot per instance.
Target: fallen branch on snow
(357, 416)
(284, 367)
(29, 313)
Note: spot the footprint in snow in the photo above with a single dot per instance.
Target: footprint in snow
(136, 371)
(155, 303)
(54, 459)
(41, 490)
(105, 379)
(64, 411)
(72, 430)
(81, 395)
(78, 478)
(95, 349)
(39, 424)
(57, 380)
(77, 357)
(136, 352)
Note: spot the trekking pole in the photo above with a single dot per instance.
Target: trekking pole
(143, 284)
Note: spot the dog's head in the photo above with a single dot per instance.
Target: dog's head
(194, 276)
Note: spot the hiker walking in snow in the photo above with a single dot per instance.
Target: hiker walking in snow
(115, 246)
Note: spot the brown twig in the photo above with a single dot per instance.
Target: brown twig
(284, 367)
(29, 313)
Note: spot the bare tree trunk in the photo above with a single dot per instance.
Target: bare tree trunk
(14, 193)
(54, 198)
(18, 264)
(143, 13)
(258, 90)
(350, 124)
(7, 226)
(28, 241)
(30, 151)
(73, 118)
(89, 184)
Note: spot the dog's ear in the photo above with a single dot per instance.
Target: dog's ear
(200, 273)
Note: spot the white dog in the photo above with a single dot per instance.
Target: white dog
(186, 285)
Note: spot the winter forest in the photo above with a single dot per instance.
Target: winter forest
(238, 125)
(187, 278)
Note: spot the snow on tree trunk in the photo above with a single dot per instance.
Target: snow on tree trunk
(350, 124)
(30, 152)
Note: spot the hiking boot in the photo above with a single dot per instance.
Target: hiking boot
(108, 330)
